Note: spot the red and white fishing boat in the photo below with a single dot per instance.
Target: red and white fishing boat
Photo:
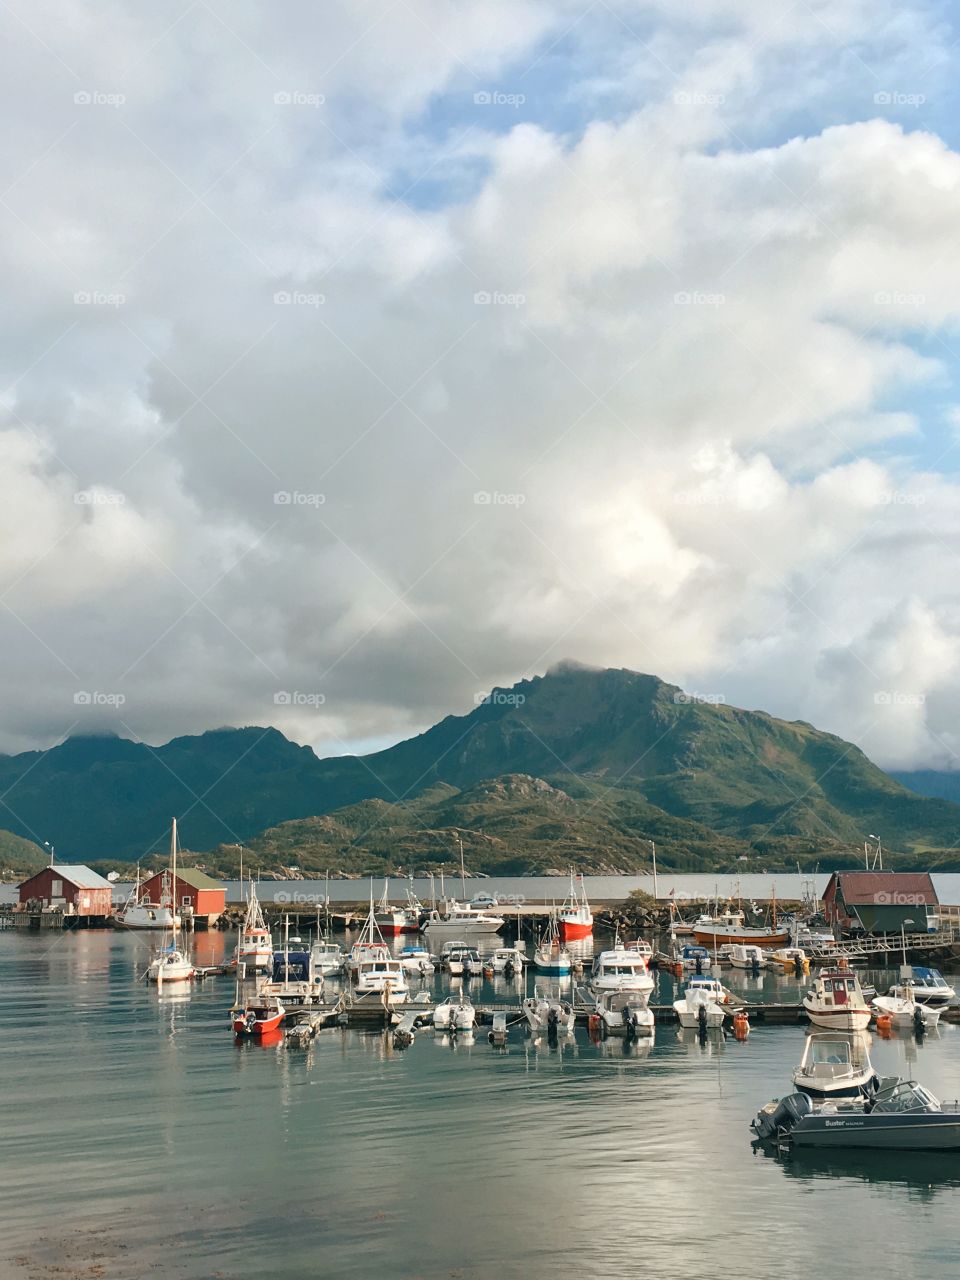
(836, 1000)
(576, 918)
(728, 928)
(254, 948)
(393, 921)
(259, 1016)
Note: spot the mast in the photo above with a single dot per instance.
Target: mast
(463, 877)
(173, 863)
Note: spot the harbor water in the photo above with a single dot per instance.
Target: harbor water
(139, 1140)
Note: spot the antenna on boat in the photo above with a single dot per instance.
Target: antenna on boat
(463, 878)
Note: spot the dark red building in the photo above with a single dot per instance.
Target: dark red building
(76, 890)
(195, 891)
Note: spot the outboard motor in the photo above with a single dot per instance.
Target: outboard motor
(784, 1117)
(702, 1022)
(798, 964)
(755, 967)
(699, 964)
(919, 1026)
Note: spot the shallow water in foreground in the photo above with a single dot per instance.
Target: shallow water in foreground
(139, 1140)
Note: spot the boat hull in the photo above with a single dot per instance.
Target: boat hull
(259, 1027)
(838, 1019)
(575, 930)
(722, 936)
(937, 1132)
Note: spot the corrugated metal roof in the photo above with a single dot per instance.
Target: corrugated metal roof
(196, 879)
(879, 888)
(81, 876)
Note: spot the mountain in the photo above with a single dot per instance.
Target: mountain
(576, 762)
(19, 857)
(932, 782)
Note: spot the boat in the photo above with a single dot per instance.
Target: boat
(551, 956)
(642, 948)
(326, 958)
(900, 1115)
(929, 987)
(548, 1013)
(576, 918)
(905, 1011)
(254, 948)
(171, 963)
(694, 958)
(703, 1004)
(620, 970)
(394, 921)
(464, 962)
(747, 955)
(792, 959)
(507, 961)
(620, 1013)
(836, 1000)
(369, 945)
(135, 914)
(382, 976)
(456, 1013)
(835, 1065)
(416, 960)
(259, 1016)
(462, 922)
(729, 927)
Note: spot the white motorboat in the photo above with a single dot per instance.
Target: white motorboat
(906, 1011)
(369, 945)
(621, 970)
(747, 955)
(506, 961)
(464, 962)
(456, 1013)
(382, 976)
(551, 956)
(254, 949)
(624, 1013)
(171, 963)
(326, 958)
(836, 1001)
(835, 1065)
(704, 1003)
(417, 961)
(643, 948)
(693, 958)
(461, 921)
(548, 1013)
(929, 986)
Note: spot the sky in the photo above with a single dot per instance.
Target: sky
(360, 357)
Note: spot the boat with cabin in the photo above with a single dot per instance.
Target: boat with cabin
(326, 958)
(505, 961)
(464, 962)
(137, 914)
(835, 1065)
(551, 956)
(621, 969)
(576, 918)
(254, 949)
(929, 988)
(171, 963)
(623, 1013)
(836, 1000)
(694, 958)
(417, 960)
(548, 1013)
(456, 1013)
(747, 955)
(382, 976)
(461, 921)
(900, 1115)
(703, 1004)
(729, 927)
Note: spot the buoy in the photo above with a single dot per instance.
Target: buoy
(884, 1023)
(741, 1025)
(678, 969)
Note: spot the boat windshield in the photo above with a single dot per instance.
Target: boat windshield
(832, 1052)
(906, 1095)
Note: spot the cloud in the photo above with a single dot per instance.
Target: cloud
(380, 384)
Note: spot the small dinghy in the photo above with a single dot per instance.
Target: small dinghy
(835, 1065)
(505, 961)
(900, 1116)
(704, 1004)
(905, 1011)
(417, 960)
(548, 1013)
(258, 1017)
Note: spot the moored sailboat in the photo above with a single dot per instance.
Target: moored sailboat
(171, 963)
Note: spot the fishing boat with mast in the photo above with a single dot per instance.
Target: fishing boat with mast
(393, 921)
(576, 918)
(171, 963)
(254, 949)
(728, 928)
(138, 914)
(551, 956)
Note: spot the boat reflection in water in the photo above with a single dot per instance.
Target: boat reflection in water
(925, 1174)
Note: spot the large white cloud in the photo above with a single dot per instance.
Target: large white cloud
(671, 347)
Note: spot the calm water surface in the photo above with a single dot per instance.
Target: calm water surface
(139, 1140)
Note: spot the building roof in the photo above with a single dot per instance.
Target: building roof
(77, 874)
(884, 888)
(194, 878)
